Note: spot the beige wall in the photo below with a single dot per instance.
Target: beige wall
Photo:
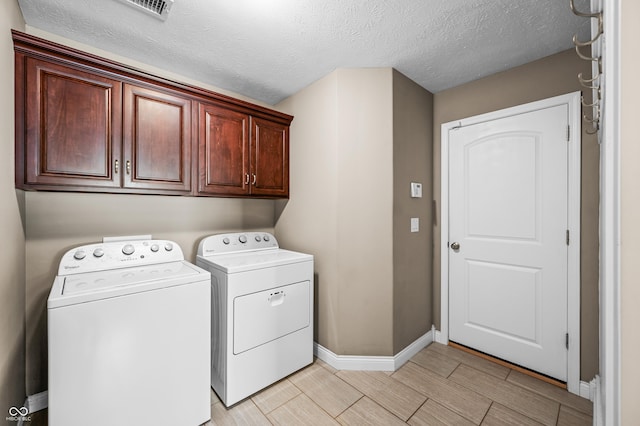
(307, 222)
(364, 200)
(412, 251)
(551, 76)
(347, 167)
(630, 214)
(12, 311)
(56, 222)
(341, 161)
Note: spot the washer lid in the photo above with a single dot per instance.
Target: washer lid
(81, 288)
(247, 261)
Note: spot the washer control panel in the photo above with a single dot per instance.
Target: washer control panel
(118, 254)
(235, 242)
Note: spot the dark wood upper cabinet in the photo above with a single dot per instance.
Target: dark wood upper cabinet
(73, 131)
(157, 140)
(223, 151)
(242, 155)
(85, 123)
(269, 158)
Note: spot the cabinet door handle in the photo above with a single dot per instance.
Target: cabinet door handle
(116, 167)
(254, 179)
(246, 181)
(128, 167)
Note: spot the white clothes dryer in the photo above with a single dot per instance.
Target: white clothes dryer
(262, 311)
(129, 336)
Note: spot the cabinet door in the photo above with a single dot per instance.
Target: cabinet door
(157, 140)
(270, 158)
(72, 127)
(223, 151)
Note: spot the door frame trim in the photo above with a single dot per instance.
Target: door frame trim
(572, 100)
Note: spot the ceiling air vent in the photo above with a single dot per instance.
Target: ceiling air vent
(158, 8)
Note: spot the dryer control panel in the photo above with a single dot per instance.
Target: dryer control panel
(235, 242)
(118, 254)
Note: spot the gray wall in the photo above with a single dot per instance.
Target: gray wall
(12, 261)
(547, 77)
(412, 252)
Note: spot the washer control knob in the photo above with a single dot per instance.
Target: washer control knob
(266, 238)
(155, 247)
(258, 238)
(226, 241)
(98, 252)
(79, 255)
(242, 239)
(168, 246)
(128, 249)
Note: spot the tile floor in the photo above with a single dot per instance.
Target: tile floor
(440, 385)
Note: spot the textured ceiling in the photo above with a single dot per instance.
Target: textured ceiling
(270, 49)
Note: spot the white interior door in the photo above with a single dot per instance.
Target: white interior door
(508, 214)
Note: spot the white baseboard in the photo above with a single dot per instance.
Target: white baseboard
(37, 402)
(440, 337)
(33, 403)
(372, 363)
(598, 402)
(588, 390)
(584, 390)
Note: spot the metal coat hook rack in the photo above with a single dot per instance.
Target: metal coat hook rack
(595, 82)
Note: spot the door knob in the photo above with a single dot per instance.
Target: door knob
(455, 246)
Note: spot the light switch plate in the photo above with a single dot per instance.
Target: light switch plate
(415, 224)
(416, 190)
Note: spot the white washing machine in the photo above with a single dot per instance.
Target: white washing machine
(262, 311)
(129, 336)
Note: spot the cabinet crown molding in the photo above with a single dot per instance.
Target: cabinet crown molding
(38, 47)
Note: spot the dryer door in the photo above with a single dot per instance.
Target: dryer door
(262, 317)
